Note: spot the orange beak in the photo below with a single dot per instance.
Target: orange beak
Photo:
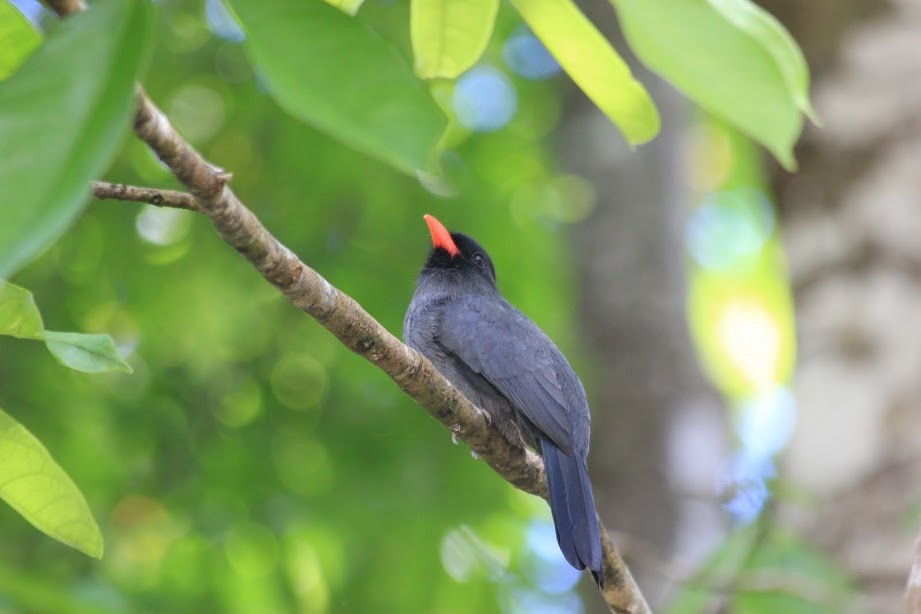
(441, 238)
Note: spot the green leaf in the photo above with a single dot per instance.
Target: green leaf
(349, 7)
(334, 73)
(88, 353)
(764, 27)
(17, 38)
(728, 58)
(33, 484)
(593, 64)
(19, 317)
(449, 36)
(65, 112)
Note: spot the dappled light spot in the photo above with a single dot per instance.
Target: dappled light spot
(161, 226)
(729, 228)
(241, 405)
(197, 111)
(528, 57)
(305, 573)
(752, 340)
(187, 32)
(484, 99)
(142, 533)
(251, 549)
(299, 381)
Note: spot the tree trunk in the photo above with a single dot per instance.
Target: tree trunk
(852, 223)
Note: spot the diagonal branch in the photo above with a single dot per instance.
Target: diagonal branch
(346, 319)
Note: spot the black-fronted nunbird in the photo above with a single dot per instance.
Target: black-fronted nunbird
(507, 366)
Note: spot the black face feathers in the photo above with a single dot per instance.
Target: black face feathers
(472, 258)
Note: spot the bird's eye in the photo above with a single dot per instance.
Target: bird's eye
(478, 259)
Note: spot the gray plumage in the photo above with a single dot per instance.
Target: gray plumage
(507, 366)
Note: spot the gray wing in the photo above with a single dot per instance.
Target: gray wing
(495, 340)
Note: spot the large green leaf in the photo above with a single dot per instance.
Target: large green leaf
(65, 112)
(88, 353)
(17, 38)
(593, 64)
(19, 317)
(729, 57)
(764, 27)
(449, 36)
(33, 484)
(341, 77)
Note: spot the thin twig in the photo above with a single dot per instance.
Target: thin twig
(152, 196)
(353, 326)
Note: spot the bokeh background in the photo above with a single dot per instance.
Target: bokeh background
(749, 339)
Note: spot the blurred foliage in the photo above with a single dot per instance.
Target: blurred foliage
(740, 305)
(761, 569)
(251, 462)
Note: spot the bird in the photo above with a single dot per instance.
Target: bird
(508, 367)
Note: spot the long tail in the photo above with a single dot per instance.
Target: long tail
(573, 509)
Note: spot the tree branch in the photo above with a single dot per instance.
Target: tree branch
(161, 198)
(351, 324)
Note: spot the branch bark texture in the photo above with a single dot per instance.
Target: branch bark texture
(161, 198)
(341, 315)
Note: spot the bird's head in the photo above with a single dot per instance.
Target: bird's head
(458, 255)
